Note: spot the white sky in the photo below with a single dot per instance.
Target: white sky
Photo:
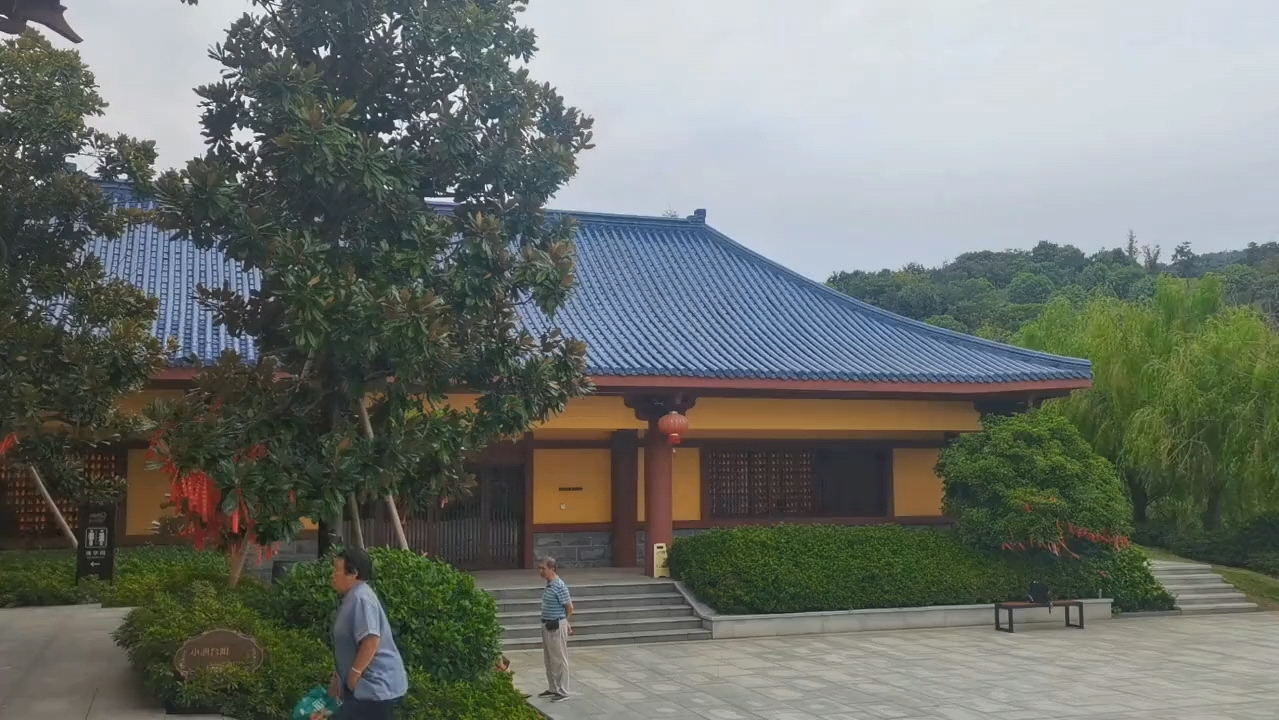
(856, 134)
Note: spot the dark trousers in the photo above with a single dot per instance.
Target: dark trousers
(353, 709)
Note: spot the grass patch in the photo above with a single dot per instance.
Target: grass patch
(1261, 589)
(1155, 553)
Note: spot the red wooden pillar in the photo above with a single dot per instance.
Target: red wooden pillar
(658, 462)
(658, 505)
(625, 470)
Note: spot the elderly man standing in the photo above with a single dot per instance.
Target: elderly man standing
(557, 608)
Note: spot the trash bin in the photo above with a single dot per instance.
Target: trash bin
(660, 568)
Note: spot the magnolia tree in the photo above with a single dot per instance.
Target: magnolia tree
(333, 136)
(72, 341)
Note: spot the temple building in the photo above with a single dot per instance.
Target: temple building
(792, 403)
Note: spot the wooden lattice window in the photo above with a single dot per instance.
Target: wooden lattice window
(25, 512)
(759, 483)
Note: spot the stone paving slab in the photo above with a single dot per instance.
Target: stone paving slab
(1223, 667)
(60, 663)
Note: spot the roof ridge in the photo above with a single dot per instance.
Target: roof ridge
(901, 320)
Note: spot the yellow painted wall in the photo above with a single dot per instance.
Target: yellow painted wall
(148, 489)
(768, 417)
(917, 490)
(686, 481)
(587, 469)
(754, 414)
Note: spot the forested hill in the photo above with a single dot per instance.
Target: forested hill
(993, 293)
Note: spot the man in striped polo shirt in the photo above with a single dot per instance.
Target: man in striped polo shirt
(557, 608)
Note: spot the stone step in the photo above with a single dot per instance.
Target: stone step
(1175, 588)
(1200, 589)
(1229, 607)
(621, 638)
(1184, 601)
(1189, 577)
(637, 588)
(600, 615)
(1176, 564)
(592, 602)
(609, 627)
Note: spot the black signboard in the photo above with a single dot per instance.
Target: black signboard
(96, 555)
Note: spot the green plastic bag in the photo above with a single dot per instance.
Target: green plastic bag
(317, 705)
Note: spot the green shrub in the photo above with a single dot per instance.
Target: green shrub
(490, 697)
(1253, 545)
(1031, 482)
(1121, 575)
(802, 568)
(144, 573)
(48, 577)
(294, 661)
(444, 625)
(41, 578)
(805, 568)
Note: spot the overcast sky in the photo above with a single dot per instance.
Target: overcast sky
(856, 134)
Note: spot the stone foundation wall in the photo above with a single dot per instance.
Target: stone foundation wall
(575, 549)
(641, 536)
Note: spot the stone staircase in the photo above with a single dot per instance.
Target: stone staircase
(1198, 589)
(604, 614)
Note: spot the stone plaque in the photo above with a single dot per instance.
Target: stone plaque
(217, 647)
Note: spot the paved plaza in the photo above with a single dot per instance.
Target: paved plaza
(1171, 668)
(59, 663)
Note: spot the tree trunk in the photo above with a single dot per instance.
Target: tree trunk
(53, 507)
(239, 553)
(400, 537)
(357, 533)
(1212, 511)
(1140, 501)
(324, 537)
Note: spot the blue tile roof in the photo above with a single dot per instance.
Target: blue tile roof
(657, 297)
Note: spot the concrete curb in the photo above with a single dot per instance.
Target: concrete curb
(1147, 614)
(725, 627)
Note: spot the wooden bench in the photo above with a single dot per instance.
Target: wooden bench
(1011, 606)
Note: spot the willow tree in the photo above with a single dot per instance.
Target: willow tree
(1210, 427)
(72, 340)
(332, 130)
(1183, 395)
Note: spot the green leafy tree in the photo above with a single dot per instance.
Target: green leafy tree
(1182, 396)
(72, 341)
(332, 126)
(1031, 482)
(1030, 288)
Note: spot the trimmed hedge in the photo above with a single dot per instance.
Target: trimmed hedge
(807, 568)
(294, 662)
(446, 629)
(1253, 545)
(48, 577)
(444, 624)
(490, 697)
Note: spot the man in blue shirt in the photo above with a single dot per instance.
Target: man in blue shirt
(557, 608)
(370, 677)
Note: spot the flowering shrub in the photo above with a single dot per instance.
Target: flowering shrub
(1031, 483)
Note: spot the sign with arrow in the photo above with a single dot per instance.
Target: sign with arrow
(95, 557)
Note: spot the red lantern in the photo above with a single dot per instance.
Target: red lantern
(672, 425)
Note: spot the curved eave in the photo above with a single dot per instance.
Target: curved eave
(1037, 388)
(183, 376)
